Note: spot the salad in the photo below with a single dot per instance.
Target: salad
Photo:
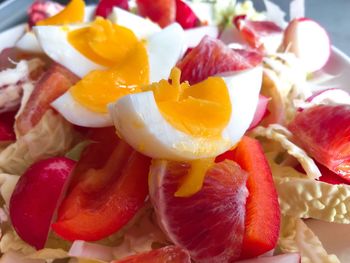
(170, 131)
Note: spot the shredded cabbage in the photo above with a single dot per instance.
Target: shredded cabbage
(295, 236)
(12, 80)
(51, 137)
(305, 198)
(282, 135)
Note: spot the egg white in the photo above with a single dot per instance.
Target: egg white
(163, 48)
(29, 43)
(54, 41)
(141, 27)
(140, 123)
(77, 114)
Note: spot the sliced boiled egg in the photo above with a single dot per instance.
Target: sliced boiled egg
(54, 41)
(141, 27)
(133, 64)
(29, 43)
(182, 122)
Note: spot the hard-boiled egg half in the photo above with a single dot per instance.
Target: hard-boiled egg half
(128, 62)
(176, 121)
(112, 62)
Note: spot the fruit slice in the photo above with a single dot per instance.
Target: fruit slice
(210, 223)
(185, 15)
(109, 186)
(161, 12)
(263, 35)
(105, 7)
(309, 42)
(170, 254)
(56, 81)
(213, 57)
(36, 197)
(262, 209)
(323, 132)
(7, 132)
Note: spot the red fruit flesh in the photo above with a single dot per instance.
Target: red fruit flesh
(330, 177)
(7, 121)
(185, 15)
(262, 210)
(105, 7)
(323, 132)
(54, 82)
(254, 32)
(109, 186)
(162, 12)
(210, 223)
(213, 57)
(170, 254)
(42, 9)
(36, 197)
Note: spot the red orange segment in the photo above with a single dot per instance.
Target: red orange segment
(53, 83)
(323, 132)
(212, 57)
(210, 223)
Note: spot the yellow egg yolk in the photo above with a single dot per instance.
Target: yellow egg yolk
(101, 87)
(201, 110)
(103, 42)
(72, 13)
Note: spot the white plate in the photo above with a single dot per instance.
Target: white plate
(335, 237)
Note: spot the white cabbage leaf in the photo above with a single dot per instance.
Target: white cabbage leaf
(306, 198)
(52, 136)
(282, 135)
(295, 236)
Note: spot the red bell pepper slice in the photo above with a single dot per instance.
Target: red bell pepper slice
(109, 186)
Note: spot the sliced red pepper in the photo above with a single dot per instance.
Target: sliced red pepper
(109, 187)
(262, 221)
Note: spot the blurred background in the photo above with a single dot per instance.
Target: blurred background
(333, 15)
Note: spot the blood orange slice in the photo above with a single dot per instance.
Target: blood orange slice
(210, 223)
(169, 254)
(212, 57)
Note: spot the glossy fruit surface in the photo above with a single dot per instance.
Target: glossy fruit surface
(210, 223)
(323, 132)
(36, 197)
(212, 57)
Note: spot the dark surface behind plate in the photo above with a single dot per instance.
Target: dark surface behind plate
(333, 15)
